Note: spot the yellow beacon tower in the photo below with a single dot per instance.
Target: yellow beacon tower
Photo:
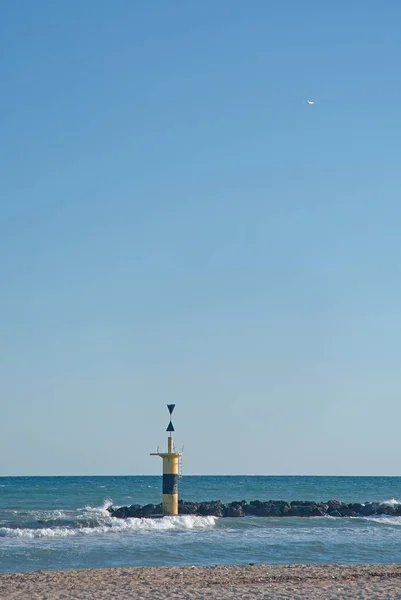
(171, 467)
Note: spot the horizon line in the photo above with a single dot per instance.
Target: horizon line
(199, 475)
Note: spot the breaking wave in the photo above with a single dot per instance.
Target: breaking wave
(112, 525)
(99, 509)
(384, 520)
(392, 502)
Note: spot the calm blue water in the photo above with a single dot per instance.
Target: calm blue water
(61, 523)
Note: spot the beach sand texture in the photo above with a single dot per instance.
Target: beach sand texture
(216, 582)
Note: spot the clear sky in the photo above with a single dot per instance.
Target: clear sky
(177, 224)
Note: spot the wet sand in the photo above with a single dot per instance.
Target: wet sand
(282, 582)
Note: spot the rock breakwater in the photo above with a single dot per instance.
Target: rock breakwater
(258, 508)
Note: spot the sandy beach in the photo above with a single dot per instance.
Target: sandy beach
(217, 583)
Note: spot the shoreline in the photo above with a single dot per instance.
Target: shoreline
(207, 582)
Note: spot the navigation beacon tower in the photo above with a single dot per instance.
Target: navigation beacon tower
(171, 471)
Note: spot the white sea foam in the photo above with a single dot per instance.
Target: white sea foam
(113, 525)
(182, 522)
(385, 520)
(392, 502)
(48, 515)
(37, 533)
(99, 510)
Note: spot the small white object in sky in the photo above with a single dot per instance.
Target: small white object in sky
(310, 102)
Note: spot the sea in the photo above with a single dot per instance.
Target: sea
(62, 523)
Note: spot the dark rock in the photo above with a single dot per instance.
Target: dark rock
(278, 508)
(119, 513)
(282, 505)
(385, 509)
(257, 508)
(148, 510)
(214, 509)
(306, 510)
(273, 508)
(237, 504)
(233, 511)
(247, 508)
(127, 512)
(256, 503)
(368, 509)
(320, 510)
(347, 512)
(334, 513)
(335, 505)
(135, 511)
(187, 508)
(356, 507)
(251, 508)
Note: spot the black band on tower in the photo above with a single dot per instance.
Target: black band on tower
(170, 484)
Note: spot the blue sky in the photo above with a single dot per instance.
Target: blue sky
(178, 225)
